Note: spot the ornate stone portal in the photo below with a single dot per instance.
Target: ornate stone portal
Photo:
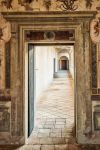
(15, 94)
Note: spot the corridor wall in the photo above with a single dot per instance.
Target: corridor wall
(44, 67)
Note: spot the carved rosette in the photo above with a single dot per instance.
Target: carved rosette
(95, 30)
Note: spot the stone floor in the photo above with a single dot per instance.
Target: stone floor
(56, 102)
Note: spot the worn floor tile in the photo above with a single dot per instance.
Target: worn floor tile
(46, 141)
(61, 147)
(47, 147)
(30, 147)
(55, 134)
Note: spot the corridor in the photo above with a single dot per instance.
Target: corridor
(55, 103)
(55, 113)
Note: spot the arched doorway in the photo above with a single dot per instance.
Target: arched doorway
(63, 63)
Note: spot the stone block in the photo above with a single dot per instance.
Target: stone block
(59, 140)
(61, 147)
(47, 147)
(46, 141)
(30, 147)
(55, 134)
(34, 140)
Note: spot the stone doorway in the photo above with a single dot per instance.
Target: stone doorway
(23, 28)
(63, 63)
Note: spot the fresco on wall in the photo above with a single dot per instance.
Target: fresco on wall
(67, 5)
(48, 5)
(89, 3)
(95, 30)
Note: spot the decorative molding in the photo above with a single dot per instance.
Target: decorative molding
(5, 98)
(68, 35)
(95, 97)
(32, 16)
(68, 5)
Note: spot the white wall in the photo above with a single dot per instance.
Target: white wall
(71, 61)
(44, 65)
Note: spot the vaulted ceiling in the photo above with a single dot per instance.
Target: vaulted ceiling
(64, 49)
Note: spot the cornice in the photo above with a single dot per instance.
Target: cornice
(32, 16)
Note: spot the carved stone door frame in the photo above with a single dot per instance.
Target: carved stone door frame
(41, 21)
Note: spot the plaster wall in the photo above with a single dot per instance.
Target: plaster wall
(44, 67)
(71, 62)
